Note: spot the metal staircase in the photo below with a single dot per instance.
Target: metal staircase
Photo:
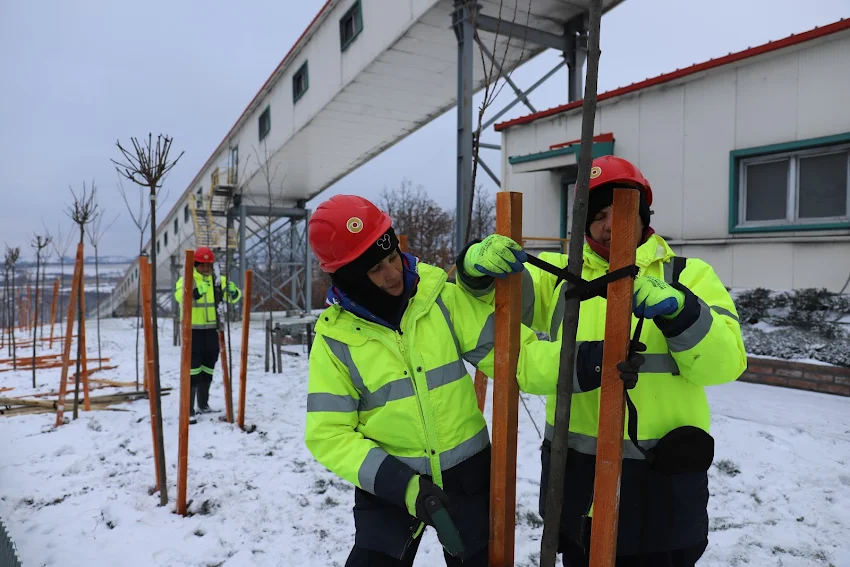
(209, 211)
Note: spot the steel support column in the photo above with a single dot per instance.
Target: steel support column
(462, 18)
(575, 55)
(308, 266)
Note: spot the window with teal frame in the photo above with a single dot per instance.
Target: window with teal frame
(801, 185)
(350, 25)
(300, 83)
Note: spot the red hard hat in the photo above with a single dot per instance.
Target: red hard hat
(607, 170)
(343, 227)
(204, 255)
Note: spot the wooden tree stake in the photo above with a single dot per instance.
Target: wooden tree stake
(481, 389)
(225, 370)
(84, 369)
(185, 382)
(505, 393)
(145, 283)
(243, 362)
(618, 321)
(53, 309)
(69, 333)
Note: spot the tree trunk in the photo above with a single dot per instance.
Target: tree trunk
(61, 283)
(35, 327)
(14, 322)
(138, 310)
(80, 324)
(163, 494)
(97, 302)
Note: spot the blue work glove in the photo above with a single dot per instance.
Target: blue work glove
(654, 298)
(496, 256)
(232, 290)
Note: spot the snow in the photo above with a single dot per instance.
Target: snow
(780, 485)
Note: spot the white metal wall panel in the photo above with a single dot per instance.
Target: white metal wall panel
(824, 90)
(766, 105)
(821, 265)
(709, 134)
(661, 156)
(719, 257)
(767, 265)
(622, 119)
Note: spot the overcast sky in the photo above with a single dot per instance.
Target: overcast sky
(79, 75)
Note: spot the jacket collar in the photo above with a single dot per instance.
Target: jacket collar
(338, 297)
(654, 249)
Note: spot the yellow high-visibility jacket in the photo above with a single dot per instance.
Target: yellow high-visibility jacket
(701, 347)
(383, 405)
(203, 309)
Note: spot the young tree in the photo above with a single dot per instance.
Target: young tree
(39, 243)
(82, 212)
(140, 218)
(428, 226)
(483, 220)
(60, 244)
(12, 255)
(146, 166)
(95, 234)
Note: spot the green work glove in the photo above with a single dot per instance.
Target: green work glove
(496, 256)
(654, 297)
(232, 290)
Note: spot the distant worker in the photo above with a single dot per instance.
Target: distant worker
(206, 297)
(390, 405)
(692, 339)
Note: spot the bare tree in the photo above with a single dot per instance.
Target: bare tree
(483, 220)
(141, 218)
(427, 225)
(146, 166)
(83, 212)
(493, 63)
(60, 244)
(12, 255)
(95, 234)
(269, 176)
(39, 243)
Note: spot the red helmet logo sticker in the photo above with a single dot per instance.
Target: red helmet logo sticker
(354, 225)
(595, 172)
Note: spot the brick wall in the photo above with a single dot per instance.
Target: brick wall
(814, 377)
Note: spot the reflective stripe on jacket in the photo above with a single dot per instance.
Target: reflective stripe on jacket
(203, 309)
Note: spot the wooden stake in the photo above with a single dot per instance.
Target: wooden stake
(145, 282)
(53, 309)
(66, 356)
(618, 321)
(505, 393)
(402, 242)
(185, 381)
(225, 370)
(243, 362)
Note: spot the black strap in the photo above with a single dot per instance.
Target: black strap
(583, 289)
(679, 263)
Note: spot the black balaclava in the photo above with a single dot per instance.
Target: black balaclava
(352, 280)
(603, 197)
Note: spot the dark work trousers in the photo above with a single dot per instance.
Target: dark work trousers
(204, 355)
(575, 556)
(361, 557)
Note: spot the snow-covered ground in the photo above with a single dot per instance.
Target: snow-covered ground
(81, 495)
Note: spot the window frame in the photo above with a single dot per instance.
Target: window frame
(793, 151)
(186, 213)
(176, 226)
(267, 114)
(304, 71)
(356, 12)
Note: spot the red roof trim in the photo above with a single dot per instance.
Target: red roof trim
(601, 138)
(789, 41)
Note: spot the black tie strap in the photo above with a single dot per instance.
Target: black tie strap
(583, 289)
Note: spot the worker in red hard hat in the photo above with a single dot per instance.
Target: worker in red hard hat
(206, 297)
(390, 405)
(691, 338)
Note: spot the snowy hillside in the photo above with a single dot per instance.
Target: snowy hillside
(80, 495)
